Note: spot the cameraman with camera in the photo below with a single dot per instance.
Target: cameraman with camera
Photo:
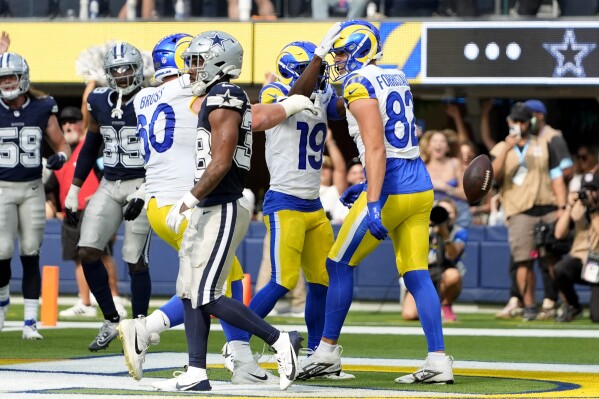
(581, 266)
(447, 244)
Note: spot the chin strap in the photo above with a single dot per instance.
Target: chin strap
(117, 112)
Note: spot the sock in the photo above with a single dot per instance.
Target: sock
(316, 300)
(419, 283)
(141, 289)
(197, 373)
(436, 355)
(233, 333)
(197, 327)
(339, 297)
(173, 310)
(5, 273)
(32, 279)
(4, 295)
(324, 346)
(97, 279)
(30, 309)
(241, 351)
(157, 322)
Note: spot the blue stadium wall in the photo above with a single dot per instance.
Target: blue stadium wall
(486, 280)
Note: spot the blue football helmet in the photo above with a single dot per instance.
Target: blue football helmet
(292, 61)
(12, 64)
(361, 41)
(167, 55)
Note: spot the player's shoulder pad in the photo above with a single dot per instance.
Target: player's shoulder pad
(272, 91)
(97, 96)
(49, 103)
(227, 95)
(357, 86)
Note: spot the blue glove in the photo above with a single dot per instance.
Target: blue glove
(56, 161)
(351, 194)
(375, 225)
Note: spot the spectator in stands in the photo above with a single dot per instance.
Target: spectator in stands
(323, 9)
(585, 161)
(532, 190)
(582, 264)
(4, 42)
(265, 9)
(410, 8)
(446, 170)
(454, 111)
(333, 180)
(447, 246)
(355, 172)
(57, 186)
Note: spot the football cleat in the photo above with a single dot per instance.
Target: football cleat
(252, 373)
(30, 332)
(320, 364)
(433, 372)
(182, 382)
(105, 336)
(136, 340)
(228, 355)
(287, 359)
(79, 310)
(3, 312)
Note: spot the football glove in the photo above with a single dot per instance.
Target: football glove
(327, 42)
(135, 203)
(297, 103)
(56, 161)
(175, 217)
(374, 222)
(351, 194)
(71, 205)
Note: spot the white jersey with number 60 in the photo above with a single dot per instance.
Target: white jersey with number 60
(167, 127)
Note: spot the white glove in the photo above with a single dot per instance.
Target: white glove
(327, 42)
(297, 103)
(174, 218)
(72, 201)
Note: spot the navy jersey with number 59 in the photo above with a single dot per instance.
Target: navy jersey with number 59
(230, 188)
(21, 132)
(122, 157)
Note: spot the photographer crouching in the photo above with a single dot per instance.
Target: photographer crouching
(447, 243)
(581, 265)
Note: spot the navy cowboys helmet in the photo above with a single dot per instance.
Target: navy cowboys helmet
(124, 67)
(210, 56)
(12, 64)
(167, 55)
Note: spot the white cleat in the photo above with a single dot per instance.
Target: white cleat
(136, 340)
(30, 333)
(252, 373)
(182, 382)
(229, 359)
(79, 310)
(433, 372)
(287, 359)
(323, 364)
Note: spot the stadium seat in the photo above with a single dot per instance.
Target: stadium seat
(29, 9)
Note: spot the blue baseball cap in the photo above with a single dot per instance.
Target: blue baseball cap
(536, 106)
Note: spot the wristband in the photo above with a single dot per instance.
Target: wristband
(190, 200)
(74, 189)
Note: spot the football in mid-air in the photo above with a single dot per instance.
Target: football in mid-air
(478, 178)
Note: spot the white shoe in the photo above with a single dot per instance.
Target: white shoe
(79, 310)
(120, 308)
(3, 312)
(339, 376)
(252, 373)
(228, 355)
(105, 336)
(433, 372)
(287, 359)
(31, 333)
(136, 340)
(320, 363)
(182, 382)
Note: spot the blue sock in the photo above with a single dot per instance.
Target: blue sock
(339, 297)
(141, 289)
(316, 300)
(173, 309)
(234, 333)
(97, 279)
(420, 285)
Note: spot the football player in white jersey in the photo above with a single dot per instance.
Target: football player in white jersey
(300, 232)
(395, 200)
(167, 118)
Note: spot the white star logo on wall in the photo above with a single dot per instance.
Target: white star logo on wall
(571, 45)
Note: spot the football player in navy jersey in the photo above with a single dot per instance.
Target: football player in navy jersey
(25, 117)
(113, 122)
(217, 213)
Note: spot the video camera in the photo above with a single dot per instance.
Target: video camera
(439, 215)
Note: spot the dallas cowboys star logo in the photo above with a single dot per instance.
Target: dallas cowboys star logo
(226, 97)
(218, 41)
(569, 45)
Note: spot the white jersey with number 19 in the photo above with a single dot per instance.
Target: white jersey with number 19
(168, 128)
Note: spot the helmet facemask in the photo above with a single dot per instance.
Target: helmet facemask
(13, 88)
(13, 65)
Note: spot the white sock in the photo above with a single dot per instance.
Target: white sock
(4, 293)
(31, 308)
(196, 373)
(157, 322)
(436, 355)
(241, 351)
(329, 348)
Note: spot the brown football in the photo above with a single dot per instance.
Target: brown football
(478, 178)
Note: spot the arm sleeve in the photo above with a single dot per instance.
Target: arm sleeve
(87, 155)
